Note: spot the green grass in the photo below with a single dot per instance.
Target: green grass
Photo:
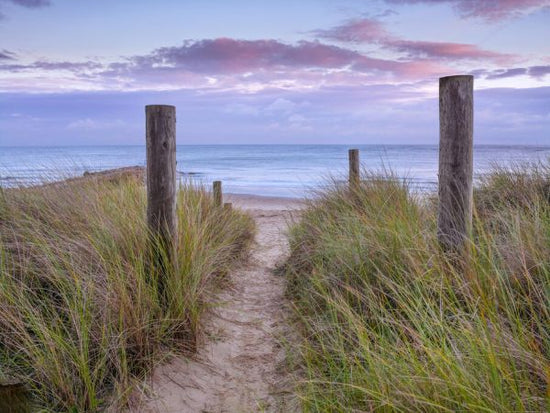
(81, 321)
(390, 324)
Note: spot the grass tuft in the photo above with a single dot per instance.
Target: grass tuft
(390, 324)
(81, 317)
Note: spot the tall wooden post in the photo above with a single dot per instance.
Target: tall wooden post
(456, 115)
(217, 189)
(161, 174)
(353, 168)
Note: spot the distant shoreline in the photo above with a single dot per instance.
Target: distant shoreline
(246, 201)
(287, 171)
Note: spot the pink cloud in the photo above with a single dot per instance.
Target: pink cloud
(230, 56)
(355, 31)
(491, 10)
(372, 31)
(223, 64)
(226, 55)
(447, 50)
(254, 65)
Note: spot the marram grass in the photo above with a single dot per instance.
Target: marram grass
(81, 321)
(390, 324)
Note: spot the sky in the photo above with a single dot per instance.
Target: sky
(79, 72)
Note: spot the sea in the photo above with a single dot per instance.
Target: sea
(271, 170)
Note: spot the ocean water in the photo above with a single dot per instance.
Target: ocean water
(272, 170)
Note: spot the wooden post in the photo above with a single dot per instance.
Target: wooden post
(228, 206)
(456, 115)
(217, 187)
(353, 168)
(161, 174)
(14, 397)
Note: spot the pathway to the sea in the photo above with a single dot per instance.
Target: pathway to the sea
(241, 365)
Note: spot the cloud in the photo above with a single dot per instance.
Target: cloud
(29, 3)
(371, 31)
(225, 55)
(262, 62)
(345, 114)
(6, 55)
(250, 66)
(539, 71)
(220, 64)
(490, 10)
(355, 31)
(536, 72)
(50, 66)
(501, 74)
(447, 50)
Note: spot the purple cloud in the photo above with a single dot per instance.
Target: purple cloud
(447, 50)
(372, 31)
(30, 3)
(48, 66)
(502, 74)
(6, 55)
(537, 72)
(224, 63)
(231, 56)
(345, 114)
(255, 65)
(356, 31)
(226, 55)
(490, 10)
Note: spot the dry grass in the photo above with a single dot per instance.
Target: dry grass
(81, 320)
(390, 324)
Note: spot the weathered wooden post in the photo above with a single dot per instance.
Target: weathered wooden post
(217, 189)
(353, 168)
(228, 206)
(456, 115)
(160, 128)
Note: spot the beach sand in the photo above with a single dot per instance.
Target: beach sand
(239, 366)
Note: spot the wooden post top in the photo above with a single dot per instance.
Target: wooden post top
(456, 77)
(160, 106)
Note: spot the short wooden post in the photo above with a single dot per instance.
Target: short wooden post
(227, 206)
(456, 115)
(161, 174)
(14, 397)
(353, 168)
(218, 199)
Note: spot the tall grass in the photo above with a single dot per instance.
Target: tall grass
(391, 324)
(81, 320)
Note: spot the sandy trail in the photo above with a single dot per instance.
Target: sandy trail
(239, 367)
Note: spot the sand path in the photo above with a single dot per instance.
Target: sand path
(240, 366)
